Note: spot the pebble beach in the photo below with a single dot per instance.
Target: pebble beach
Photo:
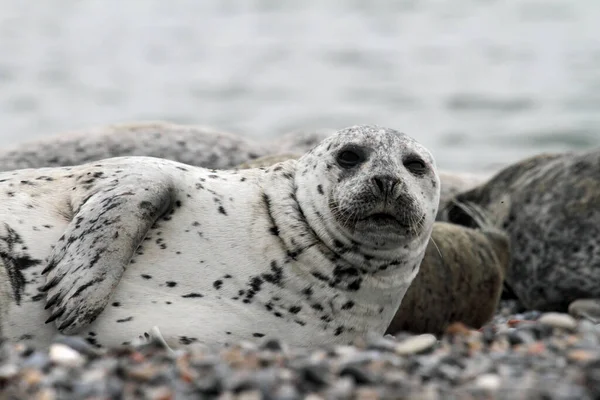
(526, 355)
(482, 84)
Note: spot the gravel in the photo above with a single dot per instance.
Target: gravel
(517, 356)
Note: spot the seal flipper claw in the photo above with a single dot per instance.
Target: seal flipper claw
(50, 284)
(129, 206)
(52, 301)
(55, 315)
(64, 325)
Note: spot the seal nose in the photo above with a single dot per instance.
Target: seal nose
(385, 184)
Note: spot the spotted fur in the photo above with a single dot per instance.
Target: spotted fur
(208, 256)
(549, 205)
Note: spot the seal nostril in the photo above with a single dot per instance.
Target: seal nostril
(379, 183)
(385, 184)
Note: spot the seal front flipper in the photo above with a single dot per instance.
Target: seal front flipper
(89, 259)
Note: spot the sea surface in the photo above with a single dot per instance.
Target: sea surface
(480, 82)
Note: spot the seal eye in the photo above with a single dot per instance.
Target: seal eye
(415, 165)
(349, 158)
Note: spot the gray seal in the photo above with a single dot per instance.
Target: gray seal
(548, 204)
(189, 144)
(319, 250)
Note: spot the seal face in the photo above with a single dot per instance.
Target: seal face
(370, 200)
(316, 250)
(548, 204)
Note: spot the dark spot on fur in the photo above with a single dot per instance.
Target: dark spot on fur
(222, 210)
(217, 284)
(256, 334)
(37, 297)
(319, 276)
(348, 305)
(192, 295)
(116, 304)
(276, 275)
(355, 285)
(187, 340)
(320, 189)
(125, 319)
(295, 309)
(146, 276)
(171, 284)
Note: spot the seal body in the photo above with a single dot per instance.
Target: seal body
(318, 250)
(189, 144)
(548, 205)
(459, 280)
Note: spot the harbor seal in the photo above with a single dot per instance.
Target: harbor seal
(548, 204)
(459, 280)
(319, 250)
(189, 144)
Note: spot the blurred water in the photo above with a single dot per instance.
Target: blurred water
(479, 82)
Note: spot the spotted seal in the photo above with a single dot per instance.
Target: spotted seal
(318, 250)
(189, 144)
(548, 204)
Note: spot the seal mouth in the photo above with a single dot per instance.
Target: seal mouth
(390, 221)
(381, 218)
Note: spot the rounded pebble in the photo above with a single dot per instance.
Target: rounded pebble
(558, 320)
(586, 308)
(415, 344)
(64, 355)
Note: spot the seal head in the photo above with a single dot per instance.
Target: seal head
(380, 187)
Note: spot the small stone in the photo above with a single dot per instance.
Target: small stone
(583, 356)
(249, 395)
(586, 308)
(78, 344)
(489, 382)
(366, 394)
(8, 371)
(31, 376)
(558, 320)
(64, 355)
(360, 375)
(416, 344)
(271, 344)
